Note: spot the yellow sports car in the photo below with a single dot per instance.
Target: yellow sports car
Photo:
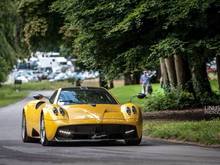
(81, 114)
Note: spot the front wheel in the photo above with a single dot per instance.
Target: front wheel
(43, 138)
(133, 142)
(25, 137)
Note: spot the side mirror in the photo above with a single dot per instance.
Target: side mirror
(141, 96)
(38, 97)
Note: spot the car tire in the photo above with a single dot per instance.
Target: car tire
(25, 137)
(43, 137)
(133, 142)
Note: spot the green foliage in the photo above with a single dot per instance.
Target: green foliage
(143, 12)
(167, 47)
(177, 100)
(116, 36)
(40, 26)
(205, 100)
(9, 46)
(36, 27)
(123, 37)
(95, 46)
(161, 100)
(4, 69)
(204, 132)
(173, 100)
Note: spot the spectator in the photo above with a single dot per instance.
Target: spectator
(145, 82)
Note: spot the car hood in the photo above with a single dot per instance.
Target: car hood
(98, 112)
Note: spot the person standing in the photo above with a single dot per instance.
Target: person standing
(145, 82)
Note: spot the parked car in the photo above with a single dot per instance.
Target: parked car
(45, 72)
(60, 77)
(20, 79)
(25, 76)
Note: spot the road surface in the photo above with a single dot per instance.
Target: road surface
(14, 151)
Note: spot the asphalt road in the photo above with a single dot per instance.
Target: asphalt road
(14, 151)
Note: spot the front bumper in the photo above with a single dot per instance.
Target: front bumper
(66, 131)
(96, 132)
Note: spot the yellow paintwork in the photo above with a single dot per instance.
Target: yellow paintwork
(79, 114)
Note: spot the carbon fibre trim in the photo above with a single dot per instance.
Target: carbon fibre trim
(96, 131)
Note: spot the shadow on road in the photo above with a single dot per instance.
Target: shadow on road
(102, 143)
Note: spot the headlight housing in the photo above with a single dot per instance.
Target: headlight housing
(55, 111)
(128, 110)
(134, 110)
(62, 112)
(58, 111)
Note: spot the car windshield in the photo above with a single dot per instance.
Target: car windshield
(85, 96)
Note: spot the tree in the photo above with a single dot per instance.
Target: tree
(9, 47)
(218, 69)
(40, 26)
(123, 37)
(95, 45)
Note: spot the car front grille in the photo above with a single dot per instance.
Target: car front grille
(96, 131)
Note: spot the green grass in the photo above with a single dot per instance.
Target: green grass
(124, 93)
(214, 85)
(44, 85)
(9, 95)
(204, 132)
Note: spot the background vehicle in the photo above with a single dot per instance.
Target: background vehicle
(25, 76)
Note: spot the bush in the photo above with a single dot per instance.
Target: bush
(210, 100)
(176, 99)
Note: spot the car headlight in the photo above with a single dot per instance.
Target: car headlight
(134, 110)
(62, 112)
(128, 110)
(55, 111)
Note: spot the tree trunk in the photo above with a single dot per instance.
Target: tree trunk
(136, 77)
(164, 76)
(218, 69)
(127, 79)
(180, 75)
(183, 73)
(188, 85)
(200, 80)
(169, 62)
(102, 81)
(111, 84)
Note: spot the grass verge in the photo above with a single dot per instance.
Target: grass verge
(43, 85)
(203, 132)
(9, 95)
